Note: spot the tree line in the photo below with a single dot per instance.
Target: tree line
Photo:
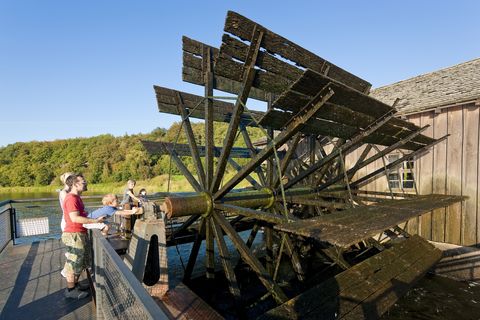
(102, 159)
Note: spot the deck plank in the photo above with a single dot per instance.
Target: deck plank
(31, 286)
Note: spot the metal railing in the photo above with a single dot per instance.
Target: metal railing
(119, 295)
(6, 223)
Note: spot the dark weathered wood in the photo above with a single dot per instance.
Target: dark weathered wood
(250, 259)
(255, 214)
(296, 262)
(269, 249)
(222, 110)
(354, 142)
(277, 119)
(194, 252)
(335, 253)
(253, 152)
(292, 100)
(197, 48)
(209, 247)
(183, 150)
(209, 144)
(366, 290)
(169, 149)
(194, 76)
(226, 263)
(242, 27)
(248, 76)
(373, 158)
(252, 235)
(193, 73)
(291, 129)
(238, 50)
(351, 226)
(192, 143)
(265, 81)
(238, 167)
(286, 160)
(317, 202)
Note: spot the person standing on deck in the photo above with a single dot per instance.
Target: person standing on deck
(127, 223)
(63, 194)
(129, 196)
(75, 237)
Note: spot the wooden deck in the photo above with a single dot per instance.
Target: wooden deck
(351, 226)
(31, 286)
(366, 290)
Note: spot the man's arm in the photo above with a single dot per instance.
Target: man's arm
(129, 212)
(77, 218)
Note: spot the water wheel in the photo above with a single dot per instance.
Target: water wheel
(321, 128)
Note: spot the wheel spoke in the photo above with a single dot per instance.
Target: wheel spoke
(226, 262)
(194, 253)
(210, 257)
(250, 259)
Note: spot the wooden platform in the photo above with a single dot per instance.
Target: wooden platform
(182, 303)
(31, 286)
(366, 290)
(351, 226)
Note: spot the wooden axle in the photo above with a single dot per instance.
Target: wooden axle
(203, 204)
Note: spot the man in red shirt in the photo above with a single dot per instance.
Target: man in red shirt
(75, 237)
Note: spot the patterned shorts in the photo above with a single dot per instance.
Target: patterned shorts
(78, 251)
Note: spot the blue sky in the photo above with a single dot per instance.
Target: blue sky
(83, 68)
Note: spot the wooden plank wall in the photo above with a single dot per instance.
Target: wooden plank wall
(451, 167)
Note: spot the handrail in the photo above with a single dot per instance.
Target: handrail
(107, 263)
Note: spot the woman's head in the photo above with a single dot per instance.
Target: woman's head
(63, 177)
(131, 183)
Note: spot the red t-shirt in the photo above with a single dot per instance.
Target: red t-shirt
(72, 203)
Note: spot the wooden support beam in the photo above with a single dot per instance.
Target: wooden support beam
(210, 253)
(336, 255)
(227, 263)
(194, 252)
(255, 214)
(191, 139)
(292, 147)
(183, 169)
(253, 152)
(296, 262)
(237, 167)
(396, 163)
(252, 235)
(353, 142)
(250, 259)
(292, 128)
(247, 80)
(209, 144)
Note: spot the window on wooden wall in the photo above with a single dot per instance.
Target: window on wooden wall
(402, 176)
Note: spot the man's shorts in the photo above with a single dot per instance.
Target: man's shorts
(78, 252)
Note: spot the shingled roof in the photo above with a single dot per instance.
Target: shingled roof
(446, 87)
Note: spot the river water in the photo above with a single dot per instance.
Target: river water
(433, 297)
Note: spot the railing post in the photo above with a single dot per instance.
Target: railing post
(13, 223)
(99, 280)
